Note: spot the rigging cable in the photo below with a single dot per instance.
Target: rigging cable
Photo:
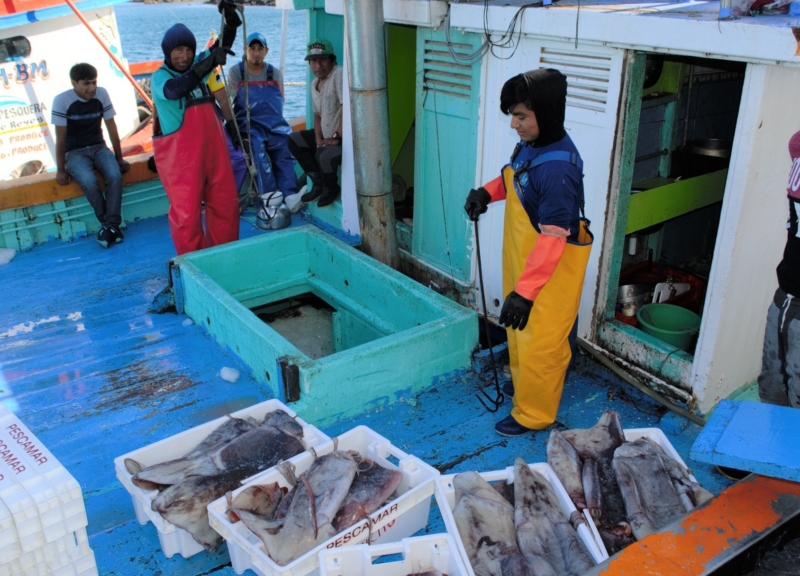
(506, 40)
(247, 151)
(499, 398)
(441, 190)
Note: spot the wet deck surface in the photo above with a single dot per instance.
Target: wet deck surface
(95, 374)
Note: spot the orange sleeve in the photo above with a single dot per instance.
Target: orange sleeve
(496, 189)
(540, 265)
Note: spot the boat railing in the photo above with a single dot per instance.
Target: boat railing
(42, 188)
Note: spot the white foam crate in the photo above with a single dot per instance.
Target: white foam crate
(175, 540)
(423, 553)
(69, 555)
(398, 519)
(60, 488)
(446, 498)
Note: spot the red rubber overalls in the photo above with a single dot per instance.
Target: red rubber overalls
(194, 167)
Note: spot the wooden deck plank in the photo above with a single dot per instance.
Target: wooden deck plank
(752, 436)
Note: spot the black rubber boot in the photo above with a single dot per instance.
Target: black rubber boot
(329, 196)
(317, 187)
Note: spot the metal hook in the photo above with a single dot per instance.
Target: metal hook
(498, 400)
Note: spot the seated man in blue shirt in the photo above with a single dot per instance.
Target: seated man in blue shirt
(81, 148)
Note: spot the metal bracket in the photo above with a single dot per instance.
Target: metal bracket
(290, 379)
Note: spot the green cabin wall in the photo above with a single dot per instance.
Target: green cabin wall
(446, 155)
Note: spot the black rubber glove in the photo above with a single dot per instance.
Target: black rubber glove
(228, 8)
(477, 203)
(218, 57)
(516, 311)
(230, 126)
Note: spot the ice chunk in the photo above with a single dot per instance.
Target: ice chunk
(229, 374)
(187, 322)
(6, 255)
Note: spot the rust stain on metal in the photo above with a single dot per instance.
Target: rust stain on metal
(734, 518)
(138, 384)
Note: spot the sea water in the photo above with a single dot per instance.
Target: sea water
(142, 26)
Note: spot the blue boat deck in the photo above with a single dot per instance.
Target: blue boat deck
(95, 373)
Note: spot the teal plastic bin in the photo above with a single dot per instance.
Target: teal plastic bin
(672, 324)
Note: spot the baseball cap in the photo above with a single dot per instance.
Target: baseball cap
(319, 47)
(257, 37)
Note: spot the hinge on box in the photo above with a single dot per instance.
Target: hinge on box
(290, 377)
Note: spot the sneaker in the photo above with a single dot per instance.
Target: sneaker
(510, 427)
(105, 237)
(327, 198)
(315, 193)
(116, 234)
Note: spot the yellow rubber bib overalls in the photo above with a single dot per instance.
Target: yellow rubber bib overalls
(539, 354)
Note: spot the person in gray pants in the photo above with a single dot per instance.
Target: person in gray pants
(779, 381)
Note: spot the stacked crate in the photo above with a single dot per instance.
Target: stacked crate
(42, 516)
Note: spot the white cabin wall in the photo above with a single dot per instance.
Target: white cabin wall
(348, 175)
(592, 131)
(61, 43)
(751, 236)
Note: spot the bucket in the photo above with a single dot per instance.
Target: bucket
(672, 324)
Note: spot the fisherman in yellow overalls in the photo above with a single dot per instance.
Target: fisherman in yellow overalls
(546, 245)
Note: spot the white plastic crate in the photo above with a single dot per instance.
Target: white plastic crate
(631, 435)
(175, 540)
(434, 552)
(657, 436)
(446, 497)
(9, 541)
(69, 555)
(61, 489)
(398, 519)
(25, 534)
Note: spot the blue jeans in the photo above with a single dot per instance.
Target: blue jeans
(81, 164)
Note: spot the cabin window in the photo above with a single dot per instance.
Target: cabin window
(14, 48)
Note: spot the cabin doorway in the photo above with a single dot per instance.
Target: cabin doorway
(680, 122)
(401, 83)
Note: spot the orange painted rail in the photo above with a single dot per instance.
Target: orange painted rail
(16, 6)
(706, 538)
(43, 188)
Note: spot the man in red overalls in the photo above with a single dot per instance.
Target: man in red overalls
(189, 143)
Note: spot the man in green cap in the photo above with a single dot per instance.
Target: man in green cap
(319, 151)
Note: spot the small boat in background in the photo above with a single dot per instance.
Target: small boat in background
(40, 41)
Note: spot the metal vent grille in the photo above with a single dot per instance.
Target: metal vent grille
(587, 76)
(444, 76)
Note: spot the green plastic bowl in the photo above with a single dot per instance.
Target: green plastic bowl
(672, 324)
